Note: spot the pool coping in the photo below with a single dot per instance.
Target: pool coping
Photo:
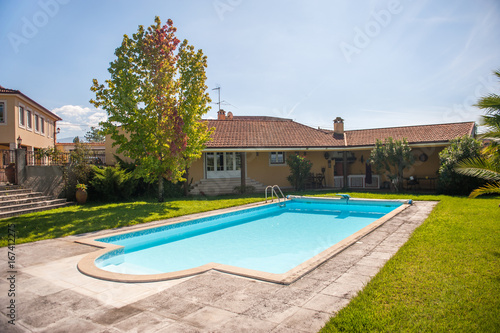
(87, 264)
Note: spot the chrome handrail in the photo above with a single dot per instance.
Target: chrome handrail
(273, 193)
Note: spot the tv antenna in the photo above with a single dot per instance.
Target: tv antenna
(222, 102)
(218, 90)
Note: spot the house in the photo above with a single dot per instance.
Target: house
(96, 149)
(260, 145)
(24, 121)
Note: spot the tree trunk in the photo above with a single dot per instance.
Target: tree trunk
(160, 189)
(186, 183)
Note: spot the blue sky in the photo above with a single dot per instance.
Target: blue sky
(374, 63)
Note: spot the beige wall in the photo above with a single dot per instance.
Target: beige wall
(259, 168)
(111, 151)
(31, 139)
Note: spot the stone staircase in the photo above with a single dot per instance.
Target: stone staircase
(223, 186)
(16, 200)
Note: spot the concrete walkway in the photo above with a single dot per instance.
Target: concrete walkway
(51, 295)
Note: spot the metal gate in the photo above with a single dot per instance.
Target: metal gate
(7, 157)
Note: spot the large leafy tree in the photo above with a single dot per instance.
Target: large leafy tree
(155, 100)
(486, 166)
(392, 156)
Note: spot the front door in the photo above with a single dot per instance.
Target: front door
(223, 165)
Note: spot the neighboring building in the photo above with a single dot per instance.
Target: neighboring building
(97, 150)
(339, 157)
(23, 118)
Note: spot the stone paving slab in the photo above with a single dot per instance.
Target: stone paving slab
(53, 296)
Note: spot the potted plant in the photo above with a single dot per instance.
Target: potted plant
(81, 193)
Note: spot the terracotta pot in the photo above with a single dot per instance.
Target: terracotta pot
(10, 173)
(81, 196)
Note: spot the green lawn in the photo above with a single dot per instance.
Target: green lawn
(75, 220)
(445, 278)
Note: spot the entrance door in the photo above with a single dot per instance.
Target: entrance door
(223, 165)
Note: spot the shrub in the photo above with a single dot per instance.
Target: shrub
(451, 182)
(299, 171)
(112, 183)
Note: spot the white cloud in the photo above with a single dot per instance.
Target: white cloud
(77, 120)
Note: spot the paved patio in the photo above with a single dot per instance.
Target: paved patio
(53, 296)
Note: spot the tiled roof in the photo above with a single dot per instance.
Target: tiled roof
(259, 132)
(4, 90)
(414, 134)
(270, 132)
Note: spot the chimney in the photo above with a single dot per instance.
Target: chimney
(229, 116)
(221, 115)
(338, 126)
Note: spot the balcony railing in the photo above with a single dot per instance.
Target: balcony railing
(61, 158)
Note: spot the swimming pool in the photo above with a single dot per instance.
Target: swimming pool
(272, 242)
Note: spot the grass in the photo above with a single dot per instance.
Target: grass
(446, 278)
(75, 220)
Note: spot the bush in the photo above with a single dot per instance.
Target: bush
(450, 182)
(112, 184)
(299, 171)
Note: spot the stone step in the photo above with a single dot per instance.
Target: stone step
(10, 187)
(223, 186)
(15, 200)
(21, 196)
(31, 205)
(6, 192)
(33, 210)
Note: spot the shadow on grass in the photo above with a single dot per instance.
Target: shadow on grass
(99, 216)
(82, 219)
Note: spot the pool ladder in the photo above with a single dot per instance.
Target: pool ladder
(274, 193)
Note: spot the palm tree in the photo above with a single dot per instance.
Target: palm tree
(488, 165)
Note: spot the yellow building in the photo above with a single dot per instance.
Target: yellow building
(339, 158)
(24, 120)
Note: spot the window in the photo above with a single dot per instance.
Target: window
(2, 113)
(277, 158)
(22, 121)
(210, 162)
(220, 161)
(42, 125)
(37, 123)
(29, 119)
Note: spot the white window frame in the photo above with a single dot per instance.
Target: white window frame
(37, 122)
(42, 125)
(21, 110)
(4, 122)
(28, 120)
(276, 162)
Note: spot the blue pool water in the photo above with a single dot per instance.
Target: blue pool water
(269, 238)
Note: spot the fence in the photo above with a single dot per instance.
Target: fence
(61, 158)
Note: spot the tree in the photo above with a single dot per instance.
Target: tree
(393, 156)
(486, 166)
(299, 170)
(155, 100)
(450, 181)
(94, 135)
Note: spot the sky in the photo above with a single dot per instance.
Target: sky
(375, 63)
